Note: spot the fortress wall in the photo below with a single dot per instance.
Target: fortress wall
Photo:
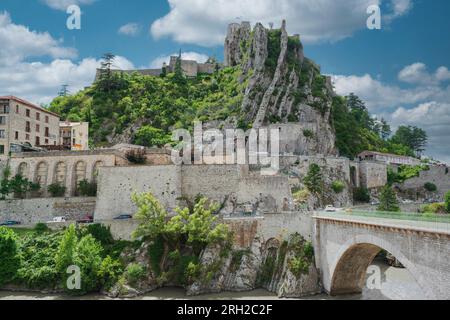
(32, 211)
(439, 175)
(116, 185)
(373, 174)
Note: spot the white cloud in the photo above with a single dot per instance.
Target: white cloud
(204, 22)
(425, 105)
(378, 95)
(417, 73)
(19, 43)
(130, 29)
(64, 4)
(39, 82)
(199, 57)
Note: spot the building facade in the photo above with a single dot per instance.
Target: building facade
(387, 158)
(74, 135)
(22, 122)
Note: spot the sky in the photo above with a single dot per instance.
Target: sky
(401, 71)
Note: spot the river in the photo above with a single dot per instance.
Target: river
(396, 284)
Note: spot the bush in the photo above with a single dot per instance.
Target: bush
(361, 195)
(57, 190)
(431, 187)
(87, 189)
(100, 233)
(41, 228)
(308, 133)
(338, 186)
(438, 208)
(109, 272)
(447, 202)
(9, 259)
(301, 196)
(135, 272)
(313, 180)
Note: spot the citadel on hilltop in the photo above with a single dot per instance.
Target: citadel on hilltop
(191, 68)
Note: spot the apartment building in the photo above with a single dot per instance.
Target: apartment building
(22, 122)
(74, 135)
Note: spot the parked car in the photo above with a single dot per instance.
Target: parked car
(124, 217)
(10, 223)
(375, 203)
(330, 209)
(58, 219)
(407, 201)
(86, 219)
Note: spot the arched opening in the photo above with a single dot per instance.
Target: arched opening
(41, 173)
(95, 169)
(391, 273)
(22, 170)
(79, 174)
(60, 173)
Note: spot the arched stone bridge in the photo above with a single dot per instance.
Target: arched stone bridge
(347, 244)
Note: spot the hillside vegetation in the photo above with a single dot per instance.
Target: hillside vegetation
(266, 82)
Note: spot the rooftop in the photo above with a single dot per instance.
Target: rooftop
(29, 104)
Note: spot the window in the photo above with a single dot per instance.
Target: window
(2, 149)
(47, 132)
(74, 142)
(38, 141)
(16, 135)
(27, 137)
(28, 126)
(17, 108)
(38, 116)
(2, 120)
(46, 119)
(4, 109)
(2, 134)
(28, 112)
(46, 142)
(38, 128)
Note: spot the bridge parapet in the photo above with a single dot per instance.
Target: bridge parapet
(347, 243)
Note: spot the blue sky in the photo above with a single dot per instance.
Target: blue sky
(401, 71)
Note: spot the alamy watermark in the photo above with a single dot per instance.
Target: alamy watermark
(374, 20)
(254, 147)
(74, 19)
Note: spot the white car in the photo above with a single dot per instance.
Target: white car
(58, 219)
(330, 209)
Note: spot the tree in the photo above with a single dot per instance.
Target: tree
(149, 137)
(88, 257)
(9, 258)
(106, 75)
(385, 129)
(359, 111)
(179, 77)
(64, 91)
(65, 255)
(388, 200)
(413, 137)
(313, 180)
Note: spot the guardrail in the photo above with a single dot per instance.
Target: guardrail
(410, 216)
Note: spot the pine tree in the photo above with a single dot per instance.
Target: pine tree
(313, 180)
(388, 200)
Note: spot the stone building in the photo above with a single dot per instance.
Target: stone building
(22, 122)
(191, 68)
(66, 168)
(74, 135)
(388, 158)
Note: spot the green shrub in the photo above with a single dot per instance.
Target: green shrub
(438, 208)
(338, 186)
(57, 190)
(87, 189)
(313, 180)
(301, 196)
(134, 273)
(308, 133)
(9, 259)
(361, 195)
(110, 272)
(101, 233)
(41, 228)
(447, 201)
(431, 187)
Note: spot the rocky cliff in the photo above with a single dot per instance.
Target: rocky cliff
(282, 86)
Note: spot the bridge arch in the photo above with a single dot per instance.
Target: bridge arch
(348, 271)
